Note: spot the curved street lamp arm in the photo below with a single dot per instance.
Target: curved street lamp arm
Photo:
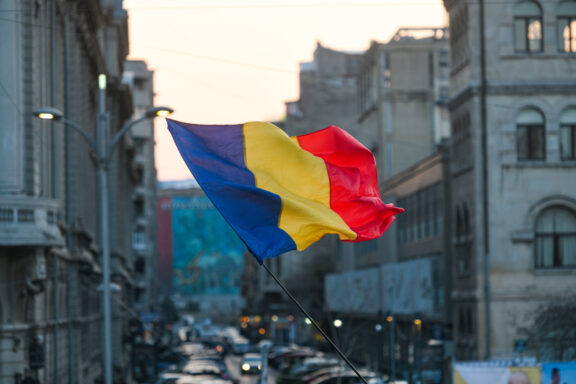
(116, 138)
(82, 132)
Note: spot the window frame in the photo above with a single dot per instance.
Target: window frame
(566, 18)
(570, 21)
(571, 156)
(530, 134)
(557, 257)
(522, 24)
(532, 143)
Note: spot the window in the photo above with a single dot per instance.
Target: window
(423, 218)
(466, 220)
(568, 134)
(556, 238)
(528, 27)
(567, 26)
(459, 222)
(530, 138)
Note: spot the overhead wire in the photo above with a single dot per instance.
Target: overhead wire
(219, 59)
(10, 97)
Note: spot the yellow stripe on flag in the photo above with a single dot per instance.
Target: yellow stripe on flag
(300, 179)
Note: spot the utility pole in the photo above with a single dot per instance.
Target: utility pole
(104, 147)
(103, 194)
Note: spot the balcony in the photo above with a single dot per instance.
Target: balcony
(26, 221)
(140, 192)
(140, 242)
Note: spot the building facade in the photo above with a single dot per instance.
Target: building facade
(392, 293)
(328, 92)
(50, 269)
(144, 194)
(513, 110)
(402, 93)
(328, 87)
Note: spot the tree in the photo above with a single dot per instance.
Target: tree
(552, 331)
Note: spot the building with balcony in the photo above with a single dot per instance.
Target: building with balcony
(50, 268)
(140, 79)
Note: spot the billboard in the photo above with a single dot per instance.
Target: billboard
(201, 257)
(559, 373)
(478, 373)
(353, 291)
(207, 255)
(408, 287)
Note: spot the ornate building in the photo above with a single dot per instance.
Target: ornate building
(50, 270)
(513, 118)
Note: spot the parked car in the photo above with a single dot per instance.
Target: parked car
(251, 363)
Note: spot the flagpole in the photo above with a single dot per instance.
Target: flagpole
(314, 323)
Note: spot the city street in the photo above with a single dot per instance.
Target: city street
(364, 192)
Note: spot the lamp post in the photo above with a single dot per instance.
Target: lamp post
(379, 345)
(104, 147)
(418, 348)
(391, 345)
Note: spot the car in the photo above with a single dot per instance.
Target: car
(349, 377)
(294, 373)
(251, 363)
(169, 378)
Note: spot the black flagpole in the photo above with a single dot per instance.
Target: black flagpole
(314, 323)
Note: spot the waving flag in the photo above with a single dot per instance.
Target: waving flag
(282, 193)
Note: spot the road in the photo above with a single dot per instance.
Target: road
(233, 364)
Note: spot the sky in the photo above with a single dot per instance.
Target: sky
(229, 62)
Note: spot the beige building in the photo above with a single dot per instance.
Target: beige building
(403, 89)
(513, 113)
(328, 91)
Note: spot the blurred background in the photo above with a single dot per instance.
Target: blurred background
(116, 268)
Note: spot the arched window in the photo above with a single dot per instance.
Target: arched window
(568, 134)
(566, 24)
(556, 238)
(530, 135)
(528, 26)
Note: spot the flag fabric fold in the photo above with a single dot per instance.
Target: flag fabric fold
(282, 193)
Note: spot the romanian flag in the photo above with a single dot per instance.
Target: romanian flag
(282, 193)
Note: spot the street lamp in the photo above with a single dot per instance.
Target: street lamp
(104, 147)
(379, 346)
(391, 345)
(418, 346)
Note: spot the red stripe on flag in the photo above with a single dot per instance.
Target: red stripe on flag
(354, 193)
